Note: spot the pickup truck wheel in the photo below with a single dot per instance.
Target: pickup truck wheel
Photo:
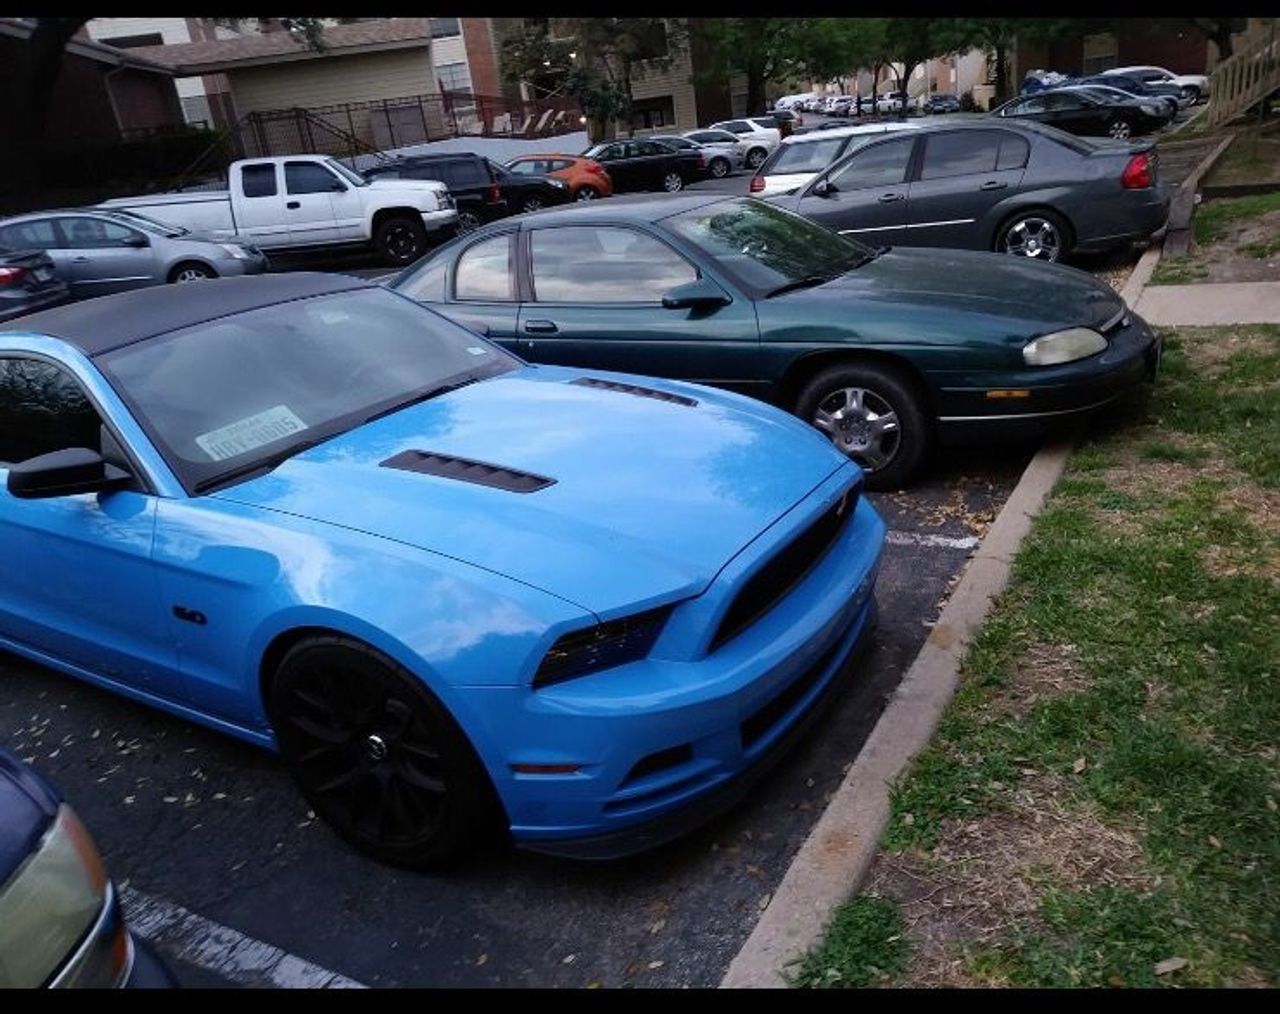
(191, 272)
(400, 240)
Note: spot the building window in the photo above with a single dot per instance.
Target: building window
(134, 41)
(1100, 53)
(444, 28)
(650, 114)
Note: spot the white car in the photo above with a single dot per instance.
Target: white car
(721, 142)
(889, 102)
(1197, 85)
(801, 157)
(761, 140)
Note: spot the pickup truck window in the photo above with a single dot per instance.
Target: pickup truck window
(309, 178)
(258, 180)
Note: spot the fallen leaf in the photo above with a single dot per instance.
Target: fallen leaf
(658, 926)
(170, 799)
(1271, 804)
(1170, 965)
(655, 964)
(593, 984)
(908, 819)
(754, 870)
(481, 960)
(763, 903)
(1079, 765)
(568, 959)
(1215, 842)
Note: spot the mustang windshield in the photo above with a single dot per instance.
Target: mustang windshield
(233, 396)
(765, 247)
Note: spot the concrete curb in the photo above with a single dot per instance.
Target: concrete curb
(1178, 239)
(834, 859)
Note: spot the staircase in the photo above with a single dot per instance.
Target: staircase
(1245, 78)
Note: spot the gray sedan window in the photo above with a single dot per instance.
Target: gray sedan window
(581, 264)
(84, 233)
(959, 153)
(37, 234)
(877, 165)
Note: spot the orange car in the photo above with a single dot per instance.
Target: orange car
(587, 178)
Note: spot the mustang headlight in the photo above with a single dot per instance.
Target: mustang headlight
(601, 647)
(1063, 347)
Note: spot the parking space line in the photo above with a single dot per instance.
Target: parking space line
(896, 538)
(219, 949)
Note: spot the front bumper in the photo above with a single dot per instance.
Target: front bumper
(1132, 357)
(445, 219)
(662, 744)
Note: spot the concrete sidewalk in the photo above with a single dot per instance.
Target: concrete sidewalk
(1210, 304)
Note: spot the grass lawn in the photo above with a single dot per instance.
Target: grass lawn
(1099, 806)
(1237, 239)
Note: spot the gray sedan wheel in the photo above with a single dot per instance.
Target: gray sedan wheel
(1120, 130)
(191, 273)
(719, 168)
(755, 156)
(1040, 235)
(672, 182)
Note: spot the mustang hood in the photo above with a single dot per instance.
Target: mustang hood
(649, 497)
(1051, 296)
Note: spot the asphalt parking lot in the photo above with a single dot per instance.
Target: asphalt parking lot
(237, 883)
(189, 820)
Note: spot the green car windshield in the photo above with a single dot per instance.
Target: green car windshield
(765, 247)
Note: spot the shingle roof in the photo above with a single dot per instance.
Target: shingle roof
(270, 47)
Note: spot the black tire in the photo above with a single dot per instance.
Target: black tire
(672, 181)
(378, 757)
(586, 193)
(190, 271)
(531, 204)
(400, 240)
(1120, 129)
(468, 221)
(755, 157)
(719, 168)
(1032, 220)
(881, 386)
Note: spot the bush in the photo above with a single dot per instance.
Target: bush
(967, 105)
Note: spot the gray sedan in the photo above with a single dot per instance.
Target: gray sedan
(99, 252)
(1022, 188)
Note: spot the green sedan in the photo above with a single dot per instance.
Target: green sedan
(886, 351)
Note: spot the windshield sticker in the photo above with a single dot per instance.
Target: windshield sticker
(249, 434)
(475, 351)
(333, 316)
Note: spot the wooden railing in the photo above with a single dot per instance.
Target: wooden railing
(1244, 78)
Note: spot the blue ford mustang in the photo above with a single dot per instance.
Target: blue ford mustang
(455, 591)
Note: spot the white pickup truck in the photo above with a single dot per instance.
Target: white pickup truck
(309, 201)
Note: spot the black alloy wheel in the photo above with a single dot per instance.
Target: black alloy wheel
(377, 756)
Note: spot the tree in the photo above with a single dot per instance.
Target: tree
(1219, 32)
(996, 37)
(828, 48)
(760, 49)
(910, 42)
(591, 59)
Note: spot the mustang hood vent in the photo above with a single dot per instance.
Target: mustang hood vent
(465, 470)
(639, 392)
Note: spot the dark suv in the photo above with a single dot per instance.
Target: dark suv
(482, 190)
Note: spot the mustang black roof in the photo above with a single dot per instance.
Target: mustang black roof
(101, 325)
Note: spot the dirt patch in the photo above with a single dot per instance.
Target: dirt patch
(1210, 349)
(1252, 158)
(985, 876)
(1249, 251)
(1044, 671)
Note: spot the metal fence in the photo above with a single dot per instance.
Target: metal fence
(352, 129)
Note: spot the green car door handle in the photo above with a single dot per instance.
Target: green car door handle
(993, 185)
(540, 326)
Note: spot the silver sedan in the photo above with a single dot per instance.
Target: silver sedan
(99, 252)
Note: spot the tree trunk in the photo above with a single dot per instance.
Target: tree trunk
(43, 64)
(755, 91)
(1002, 74)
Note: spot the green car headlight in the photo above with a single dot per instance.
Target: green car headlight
(1063, 347)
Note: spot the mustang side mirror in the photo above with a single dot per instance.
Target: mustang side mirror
(824, 187)
(700, 295)
(64, 473)
(137, 241)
